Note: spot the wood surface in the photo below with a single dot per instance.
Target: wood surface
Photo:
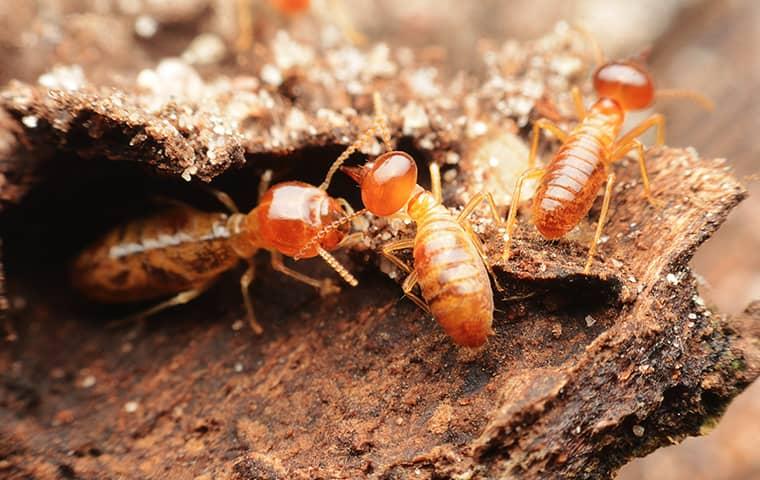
(584, 373)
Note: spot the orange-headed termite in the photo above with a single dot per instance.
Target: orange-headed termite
(181, 251)
(570, 182)
(450, 265)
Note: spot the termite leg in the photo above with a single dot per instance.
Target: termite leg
(595, 47)
(224, 199)
(656, 120)
(162, 200)
(245, 27)
(481, 251)
(379, 124)
(700, 99)
(390, 247)
(325, 287)
(514, 203)
(264, 181)
(339, 13)
(602, 220)
(349, 240)
(462, 220)
(346, 206)
(580, 108)
(543, 124)
(408, 286)
(622, 150)
(219, 195)
(245, 282)
(475, 201)
(410, 280)
(179, 299)
(435, 182)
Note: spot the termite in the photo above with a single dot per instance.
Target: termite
(181, 250)
(570, 182)
(450, 264)
(332, 11)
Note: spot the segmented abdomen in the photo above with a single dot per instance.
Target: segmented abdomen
(453, 279)
(572, 180)
(175, 250)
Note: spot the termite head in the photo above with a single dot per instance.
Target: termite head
(291, 214)
(626, 82)
(388, 184)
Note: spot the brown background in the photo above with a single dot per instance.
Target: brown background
(711, 46)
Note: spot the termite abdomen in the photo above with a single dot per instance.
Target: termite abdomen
(174, 250)
(453, 279)
(568, 188)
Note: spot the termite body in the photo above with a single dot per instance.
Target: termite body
(182, 250)
(450, 265)
(451, 273)
(569, 183)
(572, 179)
(176, 250)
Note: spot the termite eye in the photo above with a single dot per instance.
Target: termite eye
(389, 183)
(625, 82)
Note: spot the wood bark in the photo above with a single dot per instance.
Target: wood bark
(584, 372)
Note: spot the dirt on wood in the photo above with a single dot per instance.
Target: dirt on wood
(584, 373)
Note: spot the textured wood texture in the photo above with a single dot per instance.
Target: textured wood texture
(585, 371)
(714, 47)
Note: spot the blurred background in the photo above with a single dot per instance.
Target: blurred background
(709, 46)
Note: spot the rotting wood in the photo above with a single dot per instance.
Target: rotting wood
(585, 372)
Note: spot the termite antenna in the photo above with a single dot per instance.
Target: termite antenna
(381, 121)
(700, 99)
(340, 269)
(595, 47)
(338, 11)
(363, 139)
(244, 38)
(316, 239)
(379, 124)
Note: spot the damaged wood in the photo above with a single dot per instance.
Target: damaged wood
(584, 373)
